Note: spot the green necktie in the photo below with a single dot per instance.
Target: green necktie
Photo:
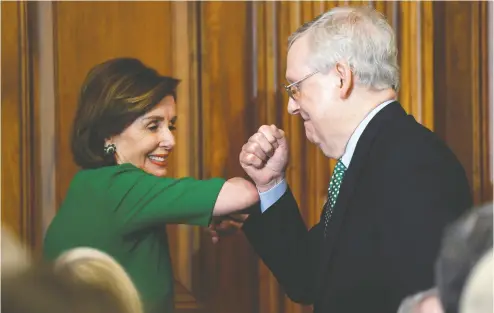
(333, 191)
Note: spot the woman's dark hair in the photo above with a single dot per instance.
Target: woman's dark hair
(114, 94)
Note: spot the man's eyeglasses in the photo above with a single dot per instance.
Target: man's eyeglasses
(293, 89)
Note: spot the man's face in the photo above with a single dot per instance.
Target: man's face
(319, 103)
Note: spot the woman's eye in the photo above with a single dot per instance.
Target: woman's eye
(172, 127)
(153, 127)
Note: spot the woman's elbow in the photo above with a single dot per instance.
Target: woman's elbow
(250, 192)
(237, 194)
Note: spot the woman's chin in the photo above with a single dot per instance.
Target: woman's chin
(159, 172)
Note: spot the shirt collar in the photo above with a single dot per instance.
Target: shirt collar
(352, 143)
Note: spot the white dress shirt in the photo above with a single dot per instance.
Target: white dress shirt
(268, 198)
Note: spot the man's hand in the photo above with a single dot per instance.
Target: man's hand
(265, 156)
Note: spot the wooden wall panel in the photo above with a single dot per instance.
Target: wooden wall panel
(231, 57)
(460, 81)
(413, 23)
(11, 104)
(19, 157)
(226, 123)
(88, 33)
(183, 238)
(267, 93)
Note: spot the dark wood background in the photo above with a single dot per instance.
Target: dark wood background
(231, 59)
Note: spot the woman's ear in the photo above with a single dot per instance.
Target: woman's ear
(109, 141)
(109, 147)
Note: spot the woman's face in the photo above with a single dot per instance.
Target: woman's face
(148, 141)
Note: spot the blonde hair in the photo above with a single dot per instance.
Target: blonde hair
(96, 268)
(15, 257)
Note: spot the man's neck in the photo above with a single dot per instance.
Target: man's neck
(362, 104)
(355, 110)
(369, 99)
(359, 130)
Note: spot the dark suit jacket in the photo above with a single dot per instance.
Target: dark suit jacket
(402, 187)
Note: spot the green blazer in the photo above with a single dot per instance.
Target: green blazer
(123, 211)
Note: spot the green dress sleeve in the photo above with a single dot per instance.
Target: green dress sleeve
(141, 200)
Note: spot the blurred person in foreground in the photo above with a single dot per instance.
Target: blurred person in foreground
(422, 302)
(15, 257)
(95, 268)
(121, 200)
(464, 243)
(38, 289)
(478, 293)
(395, 186)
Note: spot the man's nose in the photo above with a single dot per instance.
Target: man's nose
(293, 107)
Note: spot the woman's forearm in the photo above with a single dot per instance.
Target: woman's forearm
(236, 195)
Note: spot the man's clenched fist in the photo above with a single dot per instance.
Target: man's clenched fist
(265, 156)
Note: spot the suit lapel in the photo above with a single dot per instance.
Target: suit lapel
(359, 158)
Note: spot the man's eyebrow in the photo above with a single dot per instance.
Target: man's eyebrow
(173, 120)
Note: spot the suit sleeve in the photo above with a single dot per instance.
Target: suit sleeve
(142, 200)
(422, 195)
(281, 239)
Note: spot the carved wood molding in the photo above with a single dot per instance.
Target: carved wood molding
(185, 301)
(19, 127)
(185, 67)
(461, 88)
(482, 148)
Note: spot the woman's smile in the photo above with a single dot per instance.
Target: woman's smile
(159, 159)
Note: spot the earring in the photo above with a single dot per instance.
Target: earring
(110, 149)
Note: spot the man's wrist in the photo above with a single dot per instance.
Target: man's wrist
(271, 184)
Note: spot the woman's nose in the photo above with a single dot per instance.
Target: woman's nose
(168, 139)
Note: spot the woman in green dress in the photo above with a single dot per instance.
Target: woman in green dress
(121, 200)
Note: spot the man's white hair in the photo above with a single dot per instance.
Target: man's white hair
(359, 36)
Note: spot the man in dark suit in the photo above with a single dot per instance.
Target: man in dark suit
(395, 186)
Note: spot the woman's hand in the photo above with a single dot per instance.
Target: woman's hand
(225, 226)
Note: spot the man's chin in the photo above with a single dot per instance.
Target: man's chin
(310, 137)
(319, 144)
(324, 150)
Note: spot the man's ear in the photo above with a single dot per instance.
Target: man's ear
(345, 75)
